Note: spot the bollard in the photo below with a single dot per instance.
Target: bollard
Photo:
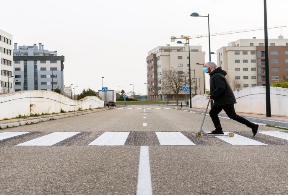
(181, 104)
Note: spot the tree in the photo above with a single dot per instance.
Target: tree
(57, 90)
(282, 84)
(173, 81)
(85, 93)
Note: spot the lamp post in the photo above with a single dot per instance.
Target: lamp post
(71, 91)
(8, 82)
(132, 88)
(146, 88)
(74, 91)
(195, 14)
(102, 81)
(204, 77)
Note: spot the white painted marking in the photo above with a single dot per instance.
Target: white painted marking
(167, 108)
(145, 124)
(207, 114)
(194, 112)
(50, 139)
(148, 108)
(139, 108)
(158, 108)
(6, 135)
(144, 117)
(278, 134)
(185, 110)
(224, 117)
(239, 140)
(129, 108)
(144, 182)
(111, 139)
(119, 108)
(262, 124)
(173, 138)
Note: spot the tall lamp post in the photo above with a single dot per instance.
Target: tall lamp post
(132, 88)
(204, 78)
(102, 81)
(9, 83)
(71, 91)
(74, 91)
(146, 87)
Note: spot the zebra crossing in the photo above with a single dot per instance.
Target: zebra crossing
(135, 138)
(129, 108)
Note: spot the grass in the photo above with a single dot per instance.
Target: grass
(277, 127)
(143, 102)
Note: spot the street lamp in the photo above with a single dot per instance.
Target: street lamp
(195, 14)
(146, 88)
(74, 91)
(132, 88)
(71, 91)
(204, 77)
(8, 82)
(102, 81)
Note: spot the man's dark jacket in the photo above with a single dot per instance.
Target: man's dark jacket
(221, 91)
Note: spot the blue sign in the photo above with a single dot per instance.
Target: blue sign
(142, 97)
(124, 96)
(104, 89)
(164, 96)
(186, 89)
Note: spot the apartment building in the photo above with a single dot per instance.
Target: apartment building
(37, 69)
(244, 61)
(6, 65)
(174, 57)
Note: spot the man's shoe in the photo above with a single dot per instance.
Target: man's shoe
(217, 132)
(255, 130)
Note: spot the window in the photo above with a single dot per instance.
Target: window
(274, 60)
(286, 60)
(245, 69)
(274, 77)
(286, 52)
(53, 61)
(53, 68)
(55, 76)
(187, 57)
(17, 83)
(253, 69)
(237, 52)
(53, 83)
(245, 61)
(188, 65)
(261, 44)
(17, 62)
(237, 77)
(43, 83)
(180, 65)
(43, 76)
(237, 69)
(253, 77)
(253, 60)
(180, 57)
(246, 85)
(274, 69)
(254, 85)
(253, 52)
(245, 52)
(17, 76)
(17, 69)
(274, 52)
(272, 44)
(237, 61)
(194, 50)
(286, 68)
(245, 77)
(43, 61)
(251, 44)
(42, 68)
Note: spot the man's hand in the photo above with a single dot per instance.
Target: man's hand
(208, 96)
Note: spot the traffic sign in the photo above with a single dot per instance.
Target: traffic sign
(104, 89)
(185, 88)
(124, 96)
(164, 96)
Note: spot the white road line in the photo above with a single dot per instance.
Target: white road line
(119, 108)
(185, 110)
(144, 182)
(278, 134)
(50, 139)
(129, 108)
(144, 117)
(167, 108)
(173, 138)
(111, 139)
(158, 108)
(145, 124)
(239, 140)
(6, 135)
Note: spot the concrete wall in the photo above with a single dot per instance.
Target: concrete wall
(253, 100)
(38, 102)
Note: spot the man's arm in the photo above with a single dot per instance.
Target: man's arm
(220, 87)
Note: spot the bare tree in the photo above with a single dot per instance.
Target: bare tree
(236, 84)
(173, 81)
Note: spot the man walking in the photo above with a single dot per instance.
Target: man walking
(224, 99)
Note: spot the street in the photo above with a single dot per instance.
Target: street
(142, 150)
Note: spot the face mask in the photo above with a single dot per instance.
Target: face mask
(205, 70)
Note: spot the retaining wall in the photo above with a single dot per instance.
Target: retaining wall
(38, 102)
(253, 100)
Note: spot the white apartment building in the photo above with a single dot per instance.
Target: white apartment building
(174, 57)
(244, 61)
(37, 69)
(6, 65)
(68, 91)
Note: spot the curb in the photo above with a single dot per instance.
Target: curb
(44, 119)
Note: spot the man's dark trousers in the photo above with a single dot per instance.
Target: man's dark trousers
(230, 111)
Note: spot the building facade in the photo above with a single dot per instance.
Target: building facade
(244, 61)
(6, 65)
(177, 58)
(37, 69)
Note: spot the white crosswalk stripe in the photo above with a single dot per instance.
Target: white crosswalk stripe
(7, 135)
(278, 134)
(111, 139)
(239, 140)
(173, 138)
(50, 139)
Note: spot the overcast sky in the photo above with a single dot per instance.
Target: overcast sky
(111, 38)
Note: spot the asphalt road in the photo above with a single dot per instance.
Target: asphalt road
(176, 162)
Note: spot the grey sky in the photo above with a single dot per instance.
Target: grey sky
(111, 38)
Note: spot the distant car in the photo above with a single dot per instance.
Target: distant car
(110, 103)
